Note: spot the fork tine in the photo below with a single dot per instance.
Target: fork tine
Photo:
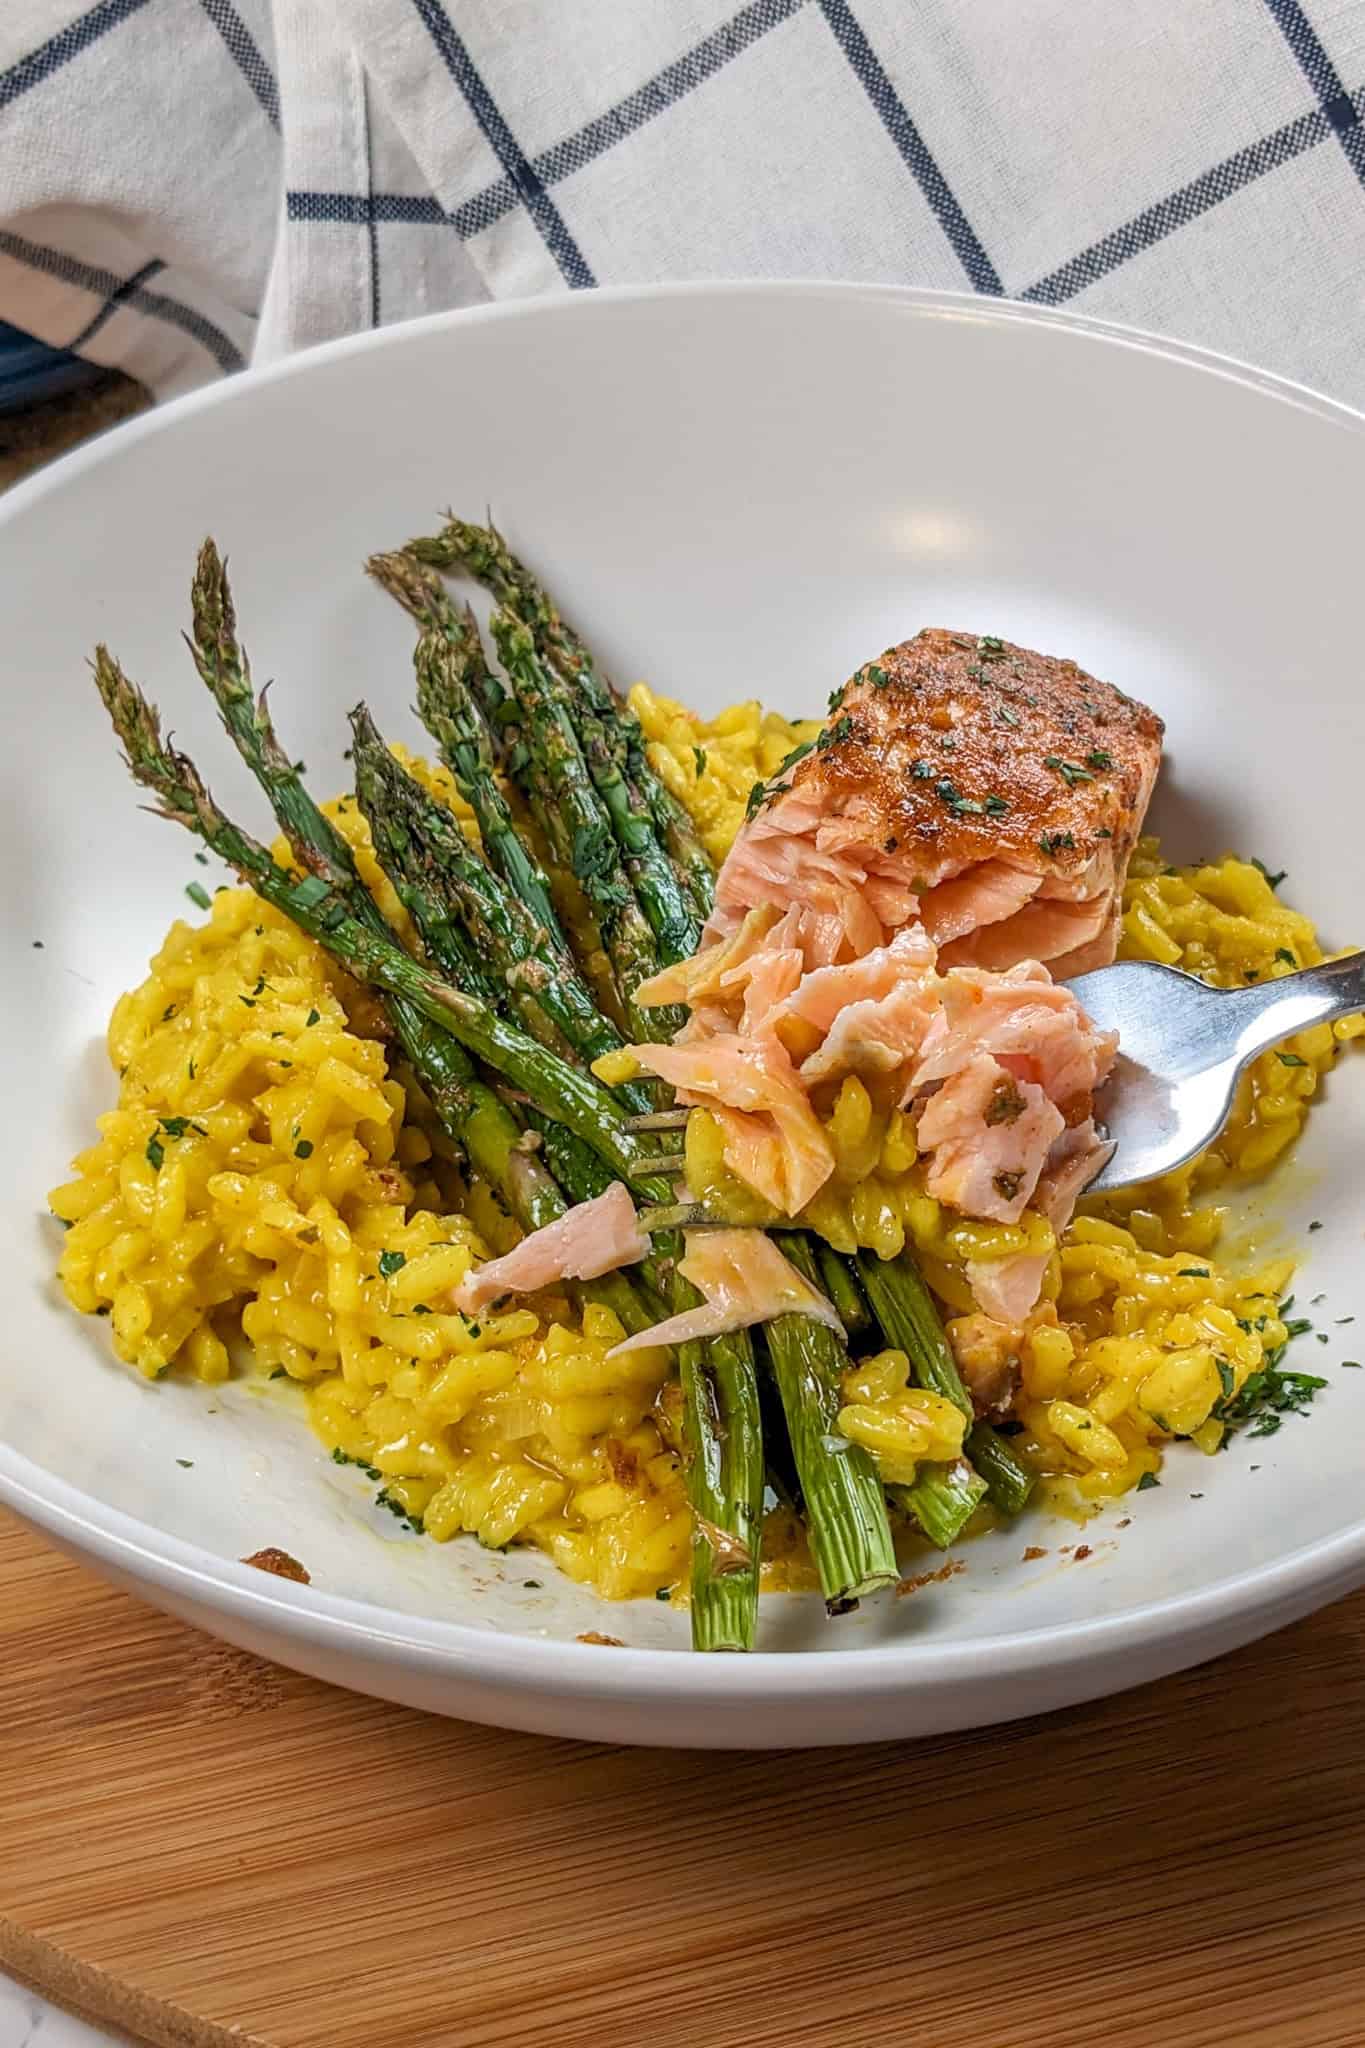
(658, 1120)
(658, 1162)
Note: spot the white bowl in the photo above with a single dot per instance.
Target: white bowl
(735, 490)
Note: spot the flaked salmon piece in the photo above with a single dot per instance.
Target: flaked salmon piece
(985, 1348)
(883, 1030)
(1045, 929)
(986, 895)
(754, 1075)
(692, 981)
(954, 753)
(987, 1135)
(1026, 1021)
(827, 992)
(743, 1279)
(590, 1239)
(1076, 1157)
(1008, 1289)
(766, 981)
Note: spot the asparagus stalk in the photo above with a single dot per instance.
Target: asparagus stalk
(562, 778)
(482, 553)
(462, 911)
(572, 1098)
(426, 856)
(905, 1309)
(453, 687)
(850, 1536)
(448, 889)
(724, 1480)
(942, 1499)
(1009, 1481)
(469, 1110)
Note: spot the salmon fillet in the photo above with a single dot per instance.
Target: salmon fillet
(901, 906)
(989, 792)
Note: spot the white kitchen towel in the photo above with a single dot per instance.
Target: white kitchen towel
(189, 185)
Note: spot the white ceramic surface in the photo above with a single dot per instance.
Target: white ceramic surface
(736, 490)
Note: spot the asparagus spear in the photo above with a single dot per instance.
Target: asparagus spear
(724, 1479)
(850, 1536)
(942, 1499)
(1009, 1481)
(424, 851)
(562, 779)
(482, 553)
(453, 686)
(445, 886)
(469, 1110)
(905, 1309)
(318, 908)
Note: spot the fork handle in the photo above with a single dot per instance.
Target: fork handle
(1273, 1010)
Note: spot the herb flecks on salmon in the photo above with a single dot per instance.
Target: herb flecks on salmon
(1014, 848)
(902, 917)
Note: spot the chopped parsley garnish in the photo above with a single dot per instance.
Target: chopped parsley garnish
(877, 676)
(420, 1308)
(1227, 1378)
(755, 798)
(1297, 1328)
(1052, 842)
(304, 1149)
(1099, 759)
(1006, 1103)
(989, 647)
(1269, 1394)
(532, 1585)
(995, 806)
(1290, 1059)
(1071, 772)
(391, 1263)
(1005, 715)
(339, 1457)
(1274, 880)
(1350, 1364)
(833, 734)
(279, 1373)
(663, 1592)
(176, 1126)
(188, 1463)
(1315, 1224)
(921, 771)
(156, 1153)
(1103, 832)
(835, 698)
(1147, 1481)
(699, 761)
(248, 1001)
(199, 895)
(313, 1017)
(1283, 953)
(1193, 1273)
(1007, 1184)
(384, 1499)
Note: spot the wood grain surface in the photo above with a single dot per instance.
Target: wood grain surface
(203, 1849)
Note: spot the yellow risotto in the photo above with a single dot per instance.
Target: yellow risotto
(265, 1176)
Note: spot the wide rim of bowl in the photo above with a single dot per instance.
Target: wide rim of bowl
(571, 1669)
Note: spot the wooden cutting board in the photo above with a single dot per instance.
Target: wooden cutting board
(201, 1848)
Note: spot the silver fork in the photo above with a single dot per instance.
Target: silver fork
(1183, 1046)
